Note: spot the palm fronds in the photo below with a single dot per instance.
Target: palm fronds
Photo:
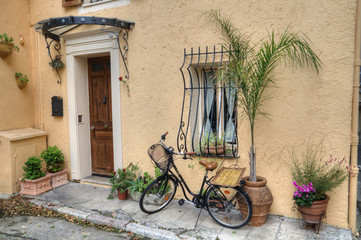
(251, 66)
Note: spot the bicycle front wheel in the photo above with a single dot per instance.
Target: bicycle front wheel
(157, 195)
(229, 207)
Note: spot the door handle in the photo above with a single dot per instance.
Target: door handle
(105, 100)
(106, 126)
(92, 128)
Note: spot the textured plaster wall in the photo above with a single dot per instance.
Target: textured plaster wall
(303, 104)
(16, 106)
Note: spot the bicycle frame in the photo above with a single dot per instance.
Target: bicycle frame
(180, 180)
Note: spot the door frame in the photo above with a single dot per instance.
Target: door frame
(79, 47)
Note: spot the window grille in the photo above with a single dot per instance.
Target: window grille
(208, 123)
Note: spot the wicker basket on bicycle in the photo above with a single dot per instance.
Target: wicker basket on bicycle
(160, 156)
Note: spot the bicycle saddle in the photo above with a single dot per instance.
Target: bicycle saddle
(209, 165)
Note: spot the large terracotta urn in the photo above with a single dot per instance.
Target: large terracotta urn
(261, 198)
(315, 212)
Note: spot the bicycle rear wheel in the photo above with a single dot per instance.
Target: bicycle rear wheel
(229, 207)
(157, 195)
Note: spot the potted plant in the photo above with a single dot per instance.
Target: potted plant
(21, 80)
(138, 185)
(250, 69)
(54, 160)
(211, 144)
(6, 46)
(313, 178)
(56, 64)
(35, 181)
(120, 181)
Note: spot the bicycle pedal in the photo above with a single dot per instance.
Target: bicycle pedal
(181, 202)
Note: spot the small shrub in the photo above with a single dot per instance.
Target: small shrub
(32, 169)
(53, 158)
(5, 38)
(23, 78)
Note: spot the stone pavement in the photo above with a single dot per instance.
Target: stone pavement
(174, 222)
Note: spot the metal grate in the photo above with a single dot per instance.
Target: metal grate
(208, 123)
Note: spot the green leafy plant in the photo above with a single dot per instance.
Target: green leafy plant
(53, 158)
(6, 39)
(140, 183)
(33, 169)
(251, 66)
(121, 179)
(212, 139)
(312, 171)
(21, 77)
(56, 64)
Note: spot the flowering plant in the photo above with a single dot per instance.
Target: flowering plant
(304, 195)
(121, 178)
(314, 176)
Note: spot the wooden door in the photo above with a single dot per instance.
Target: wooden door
(100, 108)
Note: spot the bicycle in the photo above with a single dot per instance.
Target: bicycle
(228, 206)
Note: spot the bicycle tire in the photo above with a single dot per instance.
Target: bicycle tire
(154, 199)
(229, 207)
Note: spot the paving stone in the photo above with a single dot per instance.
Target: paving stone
(103, 220)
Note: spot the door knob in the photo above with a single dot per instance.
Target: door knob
(92, 128)
(106, 126)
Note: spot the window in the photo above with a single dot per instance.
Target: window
(209, 113)
(96, 5)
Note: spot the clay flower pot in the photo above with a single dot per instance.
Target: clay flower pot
(37, 186)
(123, 195)
(59, 178)
(21, 84)
(261, 198)
(6, 49)
(213, 150)
(314, 213)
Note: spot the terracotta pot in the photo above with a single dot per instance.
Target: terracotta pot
(37, 186)
(59, 178)
(261, 198)
(5, 49)
(123, 196)
(212, 150)
(21, 84)
(313, 214)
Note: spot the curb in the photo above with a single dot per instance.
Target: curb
(127, 226)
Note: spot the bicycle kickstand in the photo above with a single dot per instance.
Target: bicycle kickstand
(199, 214)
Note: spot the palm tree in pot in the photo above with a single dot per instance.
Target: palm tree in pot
(250, 70)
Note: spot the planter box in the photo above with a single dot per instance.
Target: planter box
(59, 178)
(37, 186)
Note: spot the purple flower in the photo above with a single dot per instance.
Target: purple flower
(295, 194)
(307, 196)
(294, 183)
(299, 195)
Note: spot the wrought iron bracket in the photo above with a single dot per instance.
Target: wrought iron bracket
(57, 57)
(49, 27)
(304, 224)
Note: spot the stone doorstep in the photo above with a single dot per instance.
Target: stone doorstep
(59, 178)
(37, 186)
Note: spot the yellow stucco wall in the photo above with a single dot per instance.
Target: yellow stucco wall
(303, 104)
(16, 106)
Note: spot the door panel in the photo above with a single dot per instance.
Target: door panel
(100, 107)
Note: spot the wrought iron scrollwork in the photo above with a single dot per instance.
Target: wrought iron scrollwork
(50, 29)
(124, 34)
(57, 46)
(208, 125)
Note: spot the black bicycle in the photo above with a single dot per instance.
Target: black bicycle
(228, 206)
